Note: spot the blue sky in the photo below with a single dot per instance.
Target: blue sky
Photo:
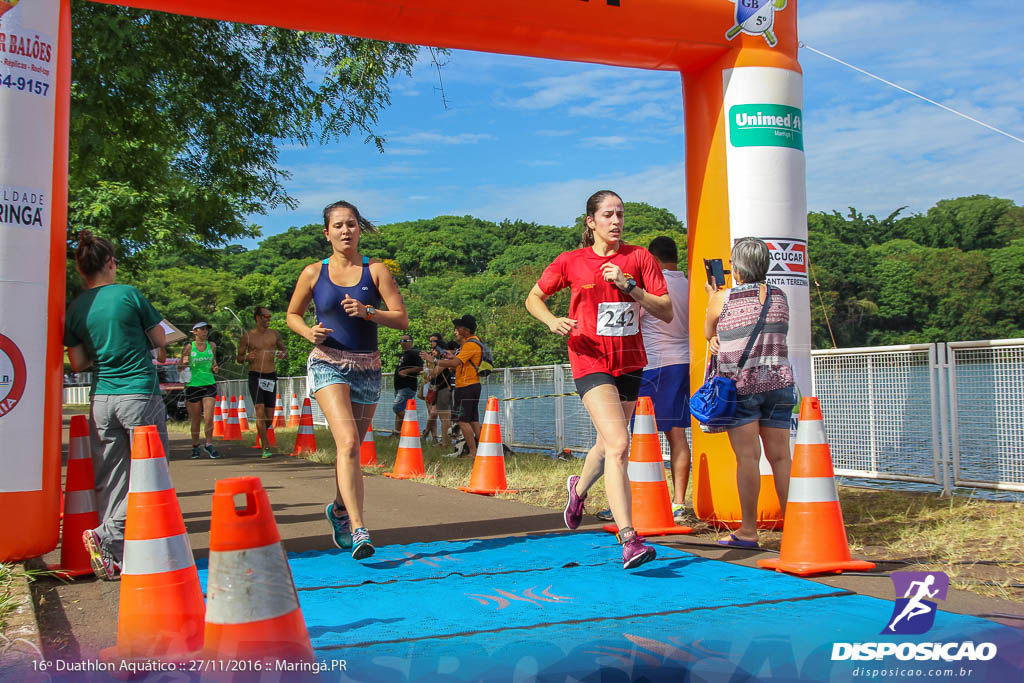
(531, 139)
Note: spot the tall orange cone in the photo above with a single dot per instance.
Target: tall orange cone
(409, 459)
(161, 608)
(79, 502)
(488, 475)
(293, 411)
(368, 450)
(271, 439)
(278, 420)
(243, 417)
(252, 607)
(652, 506)
(218, 417)
(814, 537)
(305, 440)
(232, 430)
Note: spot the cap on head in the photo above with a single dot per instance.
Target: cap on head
(199, 325)
(467, 321)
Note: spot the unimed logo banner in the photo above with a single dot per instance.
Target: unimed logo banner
(766, 125)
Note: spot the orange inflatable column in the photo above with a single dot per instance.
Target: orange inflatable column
(814, 538)
(488, 475)
(161, 608)
(252, 607)
(79, 502)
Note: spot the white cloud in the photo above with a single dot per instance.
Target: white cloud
(424, 138)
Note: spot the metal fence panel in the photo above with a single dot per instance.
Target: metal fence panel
(987, 399)
(879, 412)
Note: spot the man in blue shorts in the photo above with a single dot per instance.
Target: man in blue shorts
(666, 377)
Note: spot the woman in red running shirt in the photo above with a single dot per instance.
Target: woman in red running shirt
(610, 282)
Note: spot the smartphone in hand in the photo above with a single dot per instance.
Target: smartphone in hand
(715, 272)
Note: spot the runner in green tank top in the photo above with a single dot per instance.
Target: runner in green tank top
(201, 389)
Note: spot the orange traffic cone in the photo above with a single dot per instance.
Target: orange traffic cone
(305, 440)
(488, 475)
(252, 607)
(368, 450)
(278, 420)
(271, 439)
(79, 502)
(652, 506)
(161, 608)
(813, 538)
(409, 459)
(293, 411)
(218, 417)
(232, 430)
(243, 417)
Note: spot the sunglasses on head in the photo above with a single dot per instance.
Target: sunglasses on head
(406, 340)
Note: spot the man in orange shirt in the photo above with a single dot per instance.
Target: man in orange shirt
(466, 398)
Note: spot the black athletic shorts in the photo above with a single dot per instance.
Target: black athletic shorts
(466, 403)
(198, 393)
(263, 388)
(627, 384)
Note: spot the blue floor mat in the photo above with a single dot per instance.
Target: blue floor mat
(788, 641)
(434, 560)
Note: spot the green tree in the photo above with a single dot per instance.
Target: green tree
(176, 120)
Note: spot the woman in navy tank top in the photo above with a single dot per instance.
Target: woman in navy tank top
(343, 370)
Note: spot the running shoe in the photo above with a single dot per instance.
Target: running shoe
(635, 552)
(341, 528)
(196, 453)
(211, 451)
(267, 453)
(605, 516)
(104, 566)
(573, 514)
(362, 547)
(678, 512)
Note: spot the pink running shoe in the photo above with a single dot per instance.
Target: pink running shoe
(574, 508)
(635, 552)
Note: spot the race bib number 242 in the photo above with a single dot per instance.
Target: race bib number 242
(618, 318)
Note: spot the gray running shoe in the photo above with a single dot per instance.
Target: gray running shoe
(104, 566)
(605, 516)
(361, 545)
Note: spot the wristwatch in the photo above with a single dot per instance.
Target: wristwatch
(370, 312)
(630, 284)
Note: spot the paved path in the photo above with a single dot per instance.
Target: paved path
(80, 618)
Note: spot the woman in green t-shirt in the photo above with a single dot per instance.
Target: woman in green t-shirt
(200, 357)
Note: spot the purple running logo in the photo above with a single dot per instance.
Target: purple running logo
(914, 613)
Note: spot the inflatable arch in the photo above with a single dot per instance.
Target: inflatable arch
(744, 157)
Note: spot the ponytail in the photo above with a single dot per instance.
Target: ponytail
(92, 253)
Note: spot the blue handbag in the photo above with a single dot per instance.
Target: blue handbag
(714, 404)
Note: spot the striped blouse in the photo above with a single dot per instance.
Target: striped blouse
(767, 367)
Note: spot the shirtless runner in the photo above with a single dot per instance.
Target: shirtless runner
(261, 347)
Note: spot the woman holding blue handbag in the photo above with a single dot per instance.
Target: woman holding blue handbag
(747, 327)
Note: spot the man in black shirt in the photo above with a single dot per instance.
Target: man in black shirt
(409, 366)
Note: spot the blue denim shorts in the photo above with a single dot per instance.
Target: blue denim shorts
(360, 371)
(771, 408)
(401, 396)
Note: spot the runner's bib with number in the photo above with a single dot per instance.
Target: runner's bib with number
(618, 318)
(266, 384)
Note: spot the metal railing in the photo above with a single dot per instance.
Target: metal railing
(943, 414)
